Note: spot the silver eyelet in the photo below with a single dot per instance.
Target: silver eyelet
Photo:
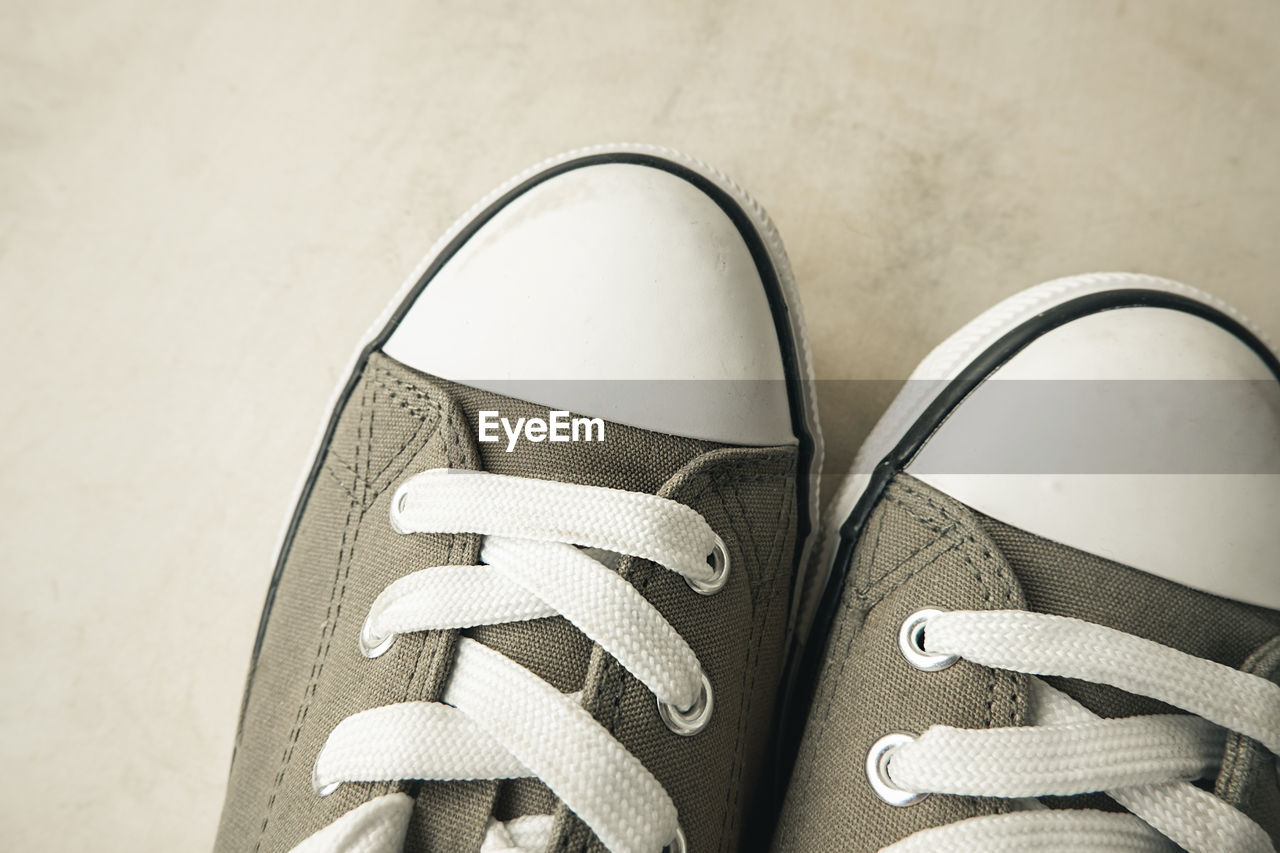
(322, 790)
(398, 503)
(911, 643)
(719, 562)
(878, 771)
(691, 720)
(371, 646)
(678, 844)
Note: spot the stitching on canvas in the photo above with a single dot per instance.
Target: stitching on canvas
(342, 484)
(1242, 755)
(740, 471)
(316, 665)
(964, 542)
(422, 416)
(751, 671)
(361, 504)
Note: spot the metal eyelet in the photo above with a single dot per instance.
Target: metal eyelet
(718, 559)
(691, 720)
(398, 503)
(911, 643)
(372, 646)
(322, 790)
(878, 771)
(678, 844)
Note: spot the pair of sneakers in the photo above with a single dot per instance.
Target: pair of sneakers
(556, 578)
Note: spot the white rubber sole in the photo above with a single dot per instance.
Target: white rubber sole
(945, 362)
(777, 256)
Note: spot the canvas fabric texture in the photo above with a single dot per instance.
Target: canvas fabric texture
(922, 549)
(1063, 581)
(310, 673)
(1250, 777)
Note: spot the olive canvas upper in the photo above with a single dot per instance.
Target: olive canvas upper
(309, 673)
(923, 549)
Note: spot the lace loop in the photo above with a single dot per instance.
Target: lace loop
(498, 720)
(1072, 648)
(1141, 762)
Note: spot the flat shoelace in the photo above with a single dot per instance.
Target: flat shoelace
(498, 720)
(1144, 763)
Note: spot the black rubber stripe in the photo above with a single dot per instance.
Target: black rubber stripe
(973, 375)
(764, 265)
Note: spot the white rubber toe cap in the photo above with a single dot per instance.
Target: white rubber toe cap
(1209, 523)
(604, 273)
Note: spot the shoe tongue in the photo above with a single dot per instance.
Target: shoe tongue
(1063, 581)
(628, 458)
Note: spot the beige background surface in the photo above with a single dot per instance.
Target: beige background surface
(202, 205)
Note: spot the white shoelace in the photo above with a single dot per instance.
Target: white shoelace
(1144, 763)
(498, 720)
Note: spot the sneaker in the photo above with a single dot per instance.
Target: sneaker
(536, 590)
(1007, 659)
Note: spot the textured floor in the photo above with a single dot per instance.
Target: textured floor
(202, 205)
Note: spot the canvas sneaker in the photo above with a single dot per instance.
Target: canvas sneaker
(537, 588)
(1052, 620)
